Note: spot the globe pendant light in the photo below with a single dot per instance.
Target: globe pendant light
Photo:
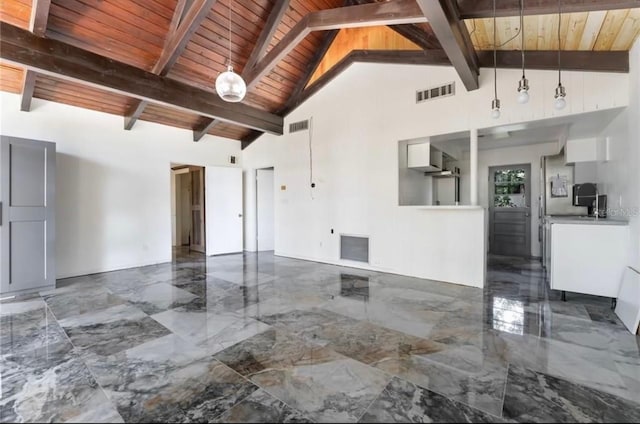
(523, 85)
(229, 85)
(495, 103)
(560, 95)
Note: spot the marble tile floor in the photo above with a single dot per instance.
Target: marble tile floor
(261, 338)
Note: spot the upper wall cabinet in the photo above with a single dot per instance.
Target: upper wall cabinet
(586, 150)
(424, 157)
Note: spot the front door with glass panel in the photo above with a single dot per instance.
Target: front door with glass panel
(510, 210)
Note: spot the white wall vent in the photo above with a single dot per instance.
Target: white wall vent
(299, 126)
(436, 92)
(354, 248)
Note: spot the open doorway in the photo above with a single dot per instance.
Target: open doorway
(188, 207)
(265, 214)
(510, 210)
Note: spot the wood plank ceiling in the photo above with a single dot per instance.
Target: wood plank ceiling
(145, 33)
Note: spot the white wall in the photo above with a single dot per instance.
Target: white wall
(619, 178)
(113, 200)
(530, 154)
(265, 210)
(358, 120)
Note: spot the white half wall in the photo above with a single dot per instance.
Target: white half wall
(358, 120)
(113, 200)
(265, 209)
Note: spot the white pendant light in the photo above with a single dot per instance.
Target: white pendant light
(495, 103)
(229, 85)
(560, 101)
(523, 85)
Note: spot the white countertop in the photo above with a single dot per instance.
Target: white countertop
(584, 220)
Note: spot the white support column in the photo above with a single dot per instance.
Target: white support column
(473, 165)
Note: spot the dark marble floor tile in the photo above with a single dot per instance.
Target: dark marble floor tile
(112, 330)
(261, 407)
(536, 397)
(168, 380)
(603, 314)
(404, 402)
(315, 380)
(28, 326)
(79, 299)
(66, 392)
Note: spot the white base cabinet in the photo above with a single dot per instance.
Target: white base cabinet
(588, 258)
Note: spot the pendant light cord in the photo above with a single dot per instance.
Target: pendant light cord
(559, 63)
(230, 32)
(495, 65)
(522, 32)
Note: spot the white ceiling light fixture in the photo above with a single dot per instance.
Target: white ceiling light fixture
(523, 85)
(561, 93)
(229, 85)
(495, 103)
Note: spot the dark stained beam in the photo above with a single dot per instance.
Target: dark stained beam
(188, 25)
(250, 138)
(595, 61)
(484, 8)
(417, 35)
(204, 128)
(39, 17)
(134, 113)
(62, 60)
(260, 48)
(454, 38)
(393, 12)
(28, 87)
(184, 23)
(411, 32)
(294, 99)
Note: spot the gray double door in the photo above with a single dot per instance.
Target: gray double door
(510, 210)
(27, 221)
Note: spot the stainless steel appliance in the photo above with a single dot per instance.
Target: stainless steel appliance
(556, 198)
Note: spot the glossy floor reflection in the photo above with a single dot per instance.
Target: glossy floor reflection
(260, 338)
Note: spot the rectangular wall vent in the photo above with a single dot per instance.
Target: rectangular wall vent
(436, 92)
(354, 248)
(299, 126)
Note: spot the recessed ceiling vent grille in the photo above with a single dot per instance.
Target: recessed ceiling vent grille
(299, 126)
(436, 92)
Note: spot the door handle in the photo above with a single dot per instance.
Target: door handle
(239, 215)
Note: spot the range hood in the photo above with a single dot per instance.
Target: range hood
(445, 173)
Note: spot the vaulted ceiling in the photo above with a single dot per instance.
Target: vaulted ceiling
(157, 60)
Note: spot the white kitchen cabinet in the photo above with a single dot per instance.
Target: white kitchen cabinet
(587, 150)
(424, 157)
(588, 258)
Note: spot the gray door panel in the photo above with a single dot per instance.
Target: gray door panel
(510, 222)
(27, 229)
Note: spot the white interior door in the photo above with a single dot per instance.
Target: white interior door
(265, 212)
(223, 188)
(198, 210)
(27, 214)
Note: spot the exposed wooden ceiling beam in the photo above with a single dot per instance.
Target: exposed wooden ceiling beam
(260, 48)
(184, 23)
(386, 13)
(62, 60)
(204, 128)
(484, 8)
(188, 25)
(39, 17)
(134, 113)
(411, 32)
(454, 38)
(592, 61)
(28, 87)
(250, 138)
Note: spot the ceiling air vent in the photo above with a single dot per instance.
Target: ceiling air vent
(436, 92)
(299, 126)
